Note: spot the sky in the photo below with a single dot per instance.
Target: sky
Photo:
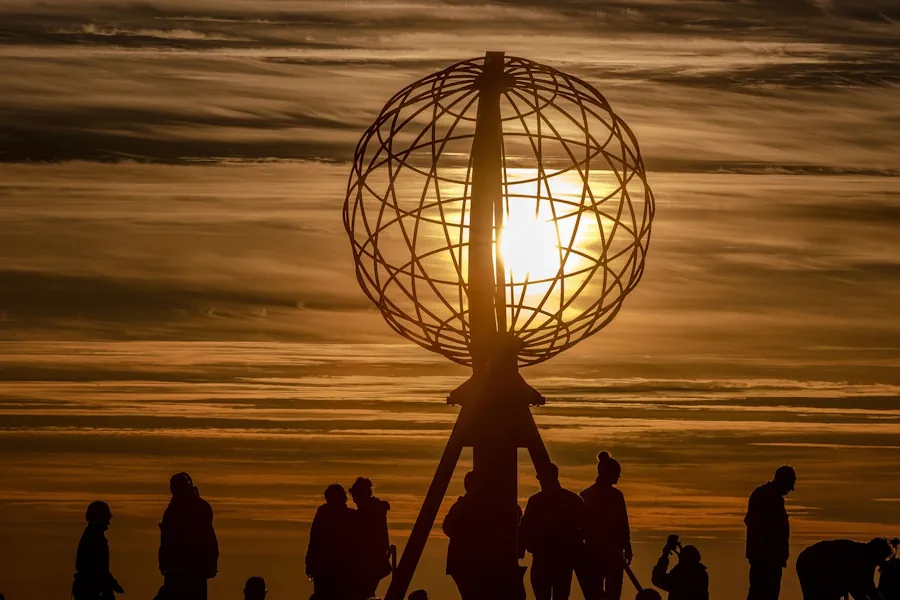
(177, 291)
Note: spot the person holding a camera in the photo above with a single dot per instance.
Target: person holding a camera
(688, 580)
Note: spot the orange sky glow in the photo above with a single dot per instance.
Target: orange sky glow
(177, 291)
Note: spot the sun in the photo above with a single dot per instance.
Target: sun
(529, 245)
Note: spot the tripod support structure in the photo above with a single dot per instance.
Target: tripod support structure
(495, 430)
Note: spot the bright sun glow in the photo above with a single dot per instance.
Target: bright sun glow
(529, 246)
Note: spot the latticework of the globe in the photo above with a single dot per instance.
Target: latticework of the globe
(576, 209)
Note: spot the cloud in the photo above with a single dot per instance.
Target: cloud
(227, 80)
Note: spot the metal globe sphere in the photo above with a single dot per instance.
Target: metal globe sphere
(576, 209)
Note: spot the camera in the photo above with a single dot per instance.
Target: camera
(672, 543)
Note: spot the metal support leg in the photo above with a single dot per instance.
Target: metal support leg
(402, 577)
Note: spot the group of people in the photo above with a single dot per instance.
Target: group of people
(349, 549)
(188, 550)
(827, 570)
(348, 552)
(585, 536)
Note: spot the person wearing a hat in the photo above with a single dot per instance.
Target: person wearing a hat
(93, 581)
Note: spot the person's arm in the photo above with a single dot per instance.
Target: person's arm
(755, 509)
(164, 545)
(526, 528)
(865, 593)
(312, 548)
(212, 546)
(785, 532)
(81, 557)
(450, 520)
(519, 517)
(863, 587)
(580, 518)
(626, 531)
(114, 585)
(660, 576)
(102, 553)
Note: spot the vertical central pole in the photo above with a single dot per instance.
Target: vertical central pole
(487, 196)
(494, 454)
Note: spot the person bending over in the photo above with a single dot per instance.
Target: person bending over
(832, 569)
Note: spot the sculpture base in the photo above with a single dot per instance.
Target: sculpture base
(495, 421)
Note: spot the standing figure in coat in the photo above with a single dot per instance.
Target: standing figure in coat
(607, 536)
(461, 525)
(332, 556)
(188, 548)
(768, 534)
(93, 581)
(372, 539)
(476, 563)
(551, 531)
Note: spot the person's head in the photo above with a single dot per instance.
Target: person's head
(361, 489)
(418, 595)
(548, 476)
(181, 485)
(879, 550)
(785, 479)
(255, 589)
(648, 594)
(608, 469)
(470, 482)
(689, 555)
(335, 495)
(98, 515)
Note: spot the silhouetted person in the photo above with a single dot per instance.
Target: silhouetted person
(372, 538)
(688, 580)
(889, 581)
(461, 526)
(768, 534)
(551, 531)
(607, 536)
(477, 563)
(330, 556)
(648, 594)
(831, 569)
(188, 548)
(255, 589)
(93, 581)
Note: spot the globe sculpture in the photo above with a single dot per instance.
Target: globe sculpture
(498, 213)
